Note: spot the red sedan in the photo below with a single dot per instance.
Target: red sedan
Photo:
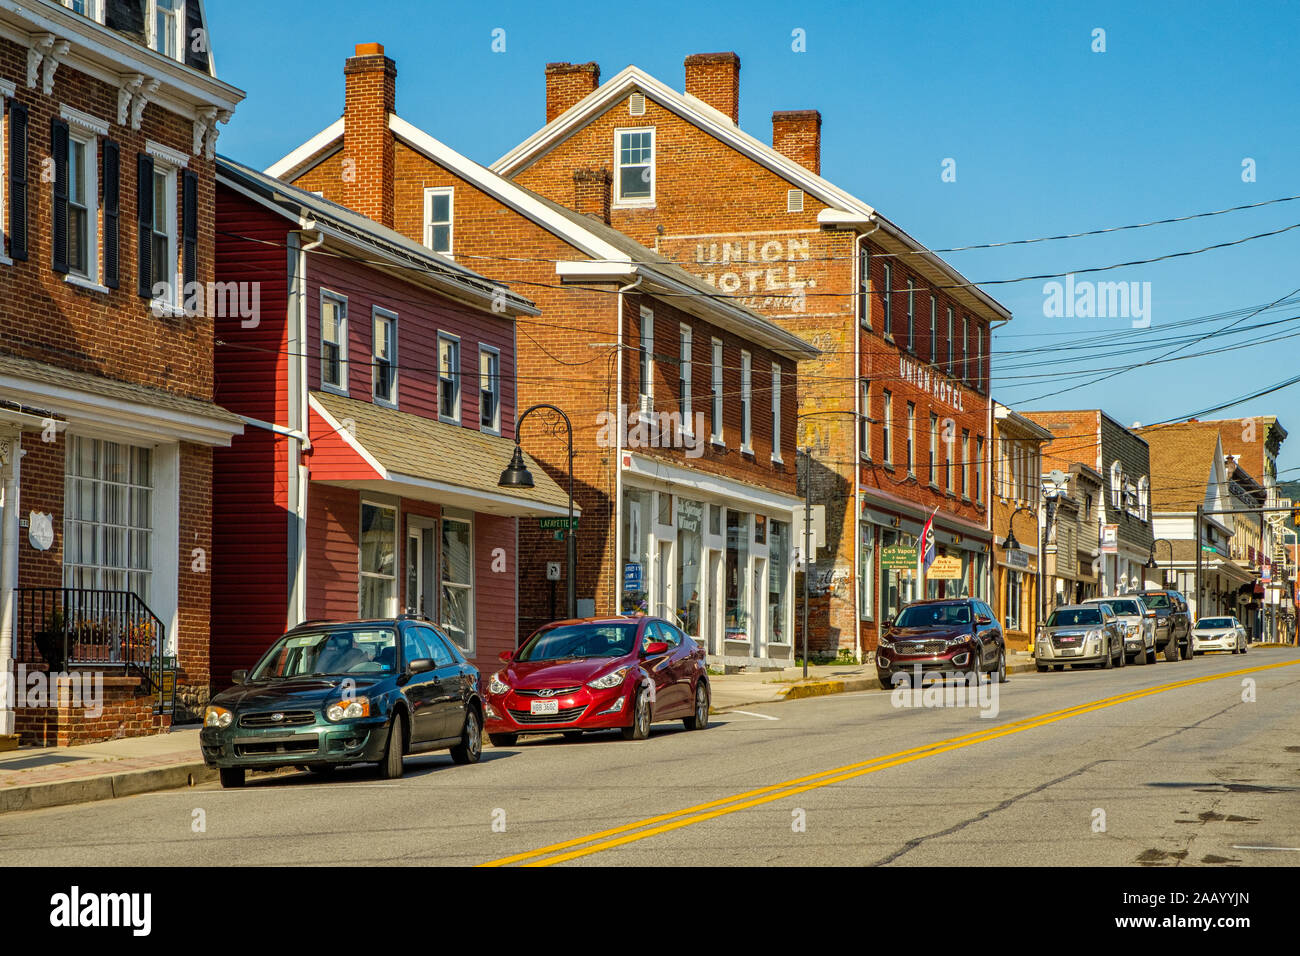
(598, 674)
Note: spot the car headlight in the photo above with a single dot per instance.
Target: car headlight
(885, 641)
(496, 685)
(612, 679)
(215, 716)
(348, 709)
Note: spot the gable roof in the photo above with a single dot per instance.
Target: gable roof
(367, 237)
(846, 210)
(624, 257)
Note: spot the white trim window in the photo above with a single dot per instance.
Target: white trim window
(90, 9)
(947, 369)
(934, 448)
(439, 218)
(864, 287)
(864, 419)
(456, 559)
(716, 372)
(5, 92)
(646, 365)
(979, 466)
(911, 314)
(746, 401)
(448, 378)
(965, 460)
(887, 300)
(979, 359)
(333, 342)
(911, 439)
(776, 412)
(489, 389)
(684, 371)
(965, 349)
(108, 516)
(887, 425)
(167, 28)
(162, 234)
(83, 205)
(634, 166)
(384, 356)
(377, 561)
(934, 329)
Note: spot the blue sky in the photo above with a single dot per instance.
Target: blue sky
(1048, 137)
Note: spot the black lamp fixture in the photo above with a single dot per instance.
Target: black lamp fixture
(1011, 544)
(516, 474)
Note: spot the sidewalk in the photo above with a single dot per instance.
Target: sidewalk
(35, 777)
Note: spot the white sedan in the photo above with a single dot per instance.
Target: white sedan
(1218, 634)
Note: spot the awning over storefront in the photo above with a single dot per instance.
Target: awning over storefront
(371, 448)
(886, 510)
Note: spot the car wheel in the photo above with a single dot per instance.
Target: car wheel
(1123, 655)
(1058, 667)
(1151, 653)
(391, 765)
(1187, 649)
(700, 718)
(1171, 650)
(470, 747)
(1042, 668)
(639, 729)
(1002, 666)
(1108, 659)
(232, 778)
(503, 740)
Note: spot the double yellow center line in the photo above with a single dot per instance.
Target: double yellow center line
(641, 829)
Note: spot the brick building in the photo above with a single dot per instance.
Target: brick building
(1017, 493)
(107, 420)
(682, 402)
(1123, 459)
(895, 411)
(377, 385)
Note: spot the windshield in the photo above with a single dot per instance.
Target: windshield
(1074, 616)
(933, 615)
(1156, 600)
(1212, 622)
(345, 650)
(1128, 606)
(566, 641)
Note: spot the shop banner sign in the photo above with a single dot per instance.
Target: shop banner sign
(947, 567)
(898, 557)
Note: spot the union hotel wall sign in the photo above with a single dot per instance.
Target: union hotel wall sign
(923, 377)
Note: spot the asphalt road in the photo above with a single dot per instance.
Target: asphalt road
(1155, 765)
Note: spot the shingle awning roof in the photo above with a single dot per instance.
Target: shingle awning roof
(372, 448)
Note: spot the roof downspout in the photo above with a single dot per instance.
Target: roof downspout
(621, 419)
(299, 444)
(858, 412)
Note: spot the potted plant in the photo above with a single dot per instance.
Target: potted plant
(49, 640)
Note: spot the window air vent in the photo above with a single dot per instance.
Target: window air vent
(636, 104)
(794, 200)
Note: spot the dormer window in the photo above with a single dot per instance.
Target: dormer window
(168, 22)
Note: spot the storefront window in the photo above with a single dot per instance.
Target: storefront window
(690, 518)
(866, 570)
(378, 580)
(899, 586)
(1014, 585)
(458, 582)
(962, 588)
(778, 582)
(737, 609)
(636, 554)
(981, 562)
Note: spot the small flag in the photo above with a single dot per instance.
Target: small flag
(928, 551)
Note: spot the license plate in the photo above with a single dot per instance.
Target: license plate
(545, 707)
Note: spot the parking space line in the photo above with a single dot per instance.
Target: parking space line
(750, 713)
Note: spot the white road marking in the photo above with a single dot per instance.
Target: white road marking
(750, 713)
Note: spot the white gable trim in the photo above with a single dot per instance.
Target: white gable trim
(700, 114)
(307, 151)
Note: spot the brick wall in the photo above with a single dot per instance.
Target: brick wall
(126, 712)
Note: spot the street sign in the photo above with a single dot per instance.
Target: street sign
(552, 570)
(1017, 559)
(551, 524)
(898, 557)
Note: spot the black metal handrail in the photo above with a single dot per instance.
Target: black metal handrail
(87, 627)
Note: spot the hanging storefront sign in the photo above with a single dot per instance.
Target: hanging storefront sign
(1110, 539)
(898, 557)
(1017, 559)
(947, 566)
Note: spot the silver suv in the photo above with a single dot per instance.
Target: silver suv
(1080, 634)
(1138, 625)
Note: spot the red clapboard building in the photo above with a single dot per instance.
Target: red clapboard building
(376, 384)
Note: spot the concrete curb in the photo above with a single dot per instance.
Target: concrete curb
(104, 787)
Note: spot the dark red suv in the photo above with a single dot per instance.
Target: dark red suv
(959, 635)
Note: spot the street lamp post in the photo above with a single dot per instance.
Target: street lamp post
(1011, 544)
(1153, 565)
(517, 475)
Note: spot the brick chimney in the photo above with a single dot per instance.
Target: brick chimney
(566, 83)
(370, 79)
(797, 135)
(715, 78)
(591, 192)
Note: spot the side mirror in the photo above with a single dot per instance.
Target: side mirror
(889, 623)
(238, 677)
(1151, 613)
(983, 619)
(505, 657)
(655, 647)
(421, 665)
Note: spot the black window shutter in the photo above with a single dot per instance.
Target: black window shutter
(144, 221)
(190, 227)
(17, 181)
(112, 212)
(59, 147)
